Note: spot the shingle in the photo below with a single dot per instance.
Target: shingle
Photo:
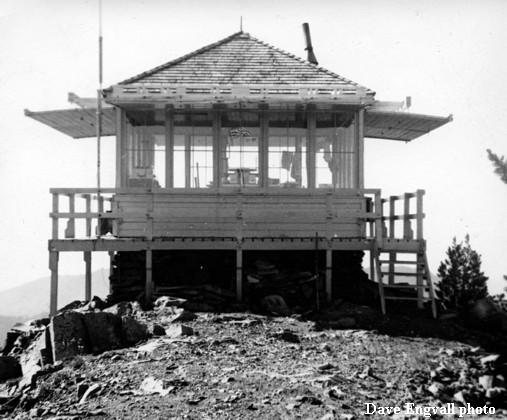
(241, 59)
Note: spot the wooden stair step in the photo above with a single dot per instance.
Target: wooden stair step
(397, 273)
(406, 298)
(400, 262)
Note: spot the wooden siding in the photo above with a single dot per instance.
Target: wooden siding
(243, 215)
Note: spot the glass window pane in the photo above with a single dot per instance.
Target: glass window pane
(240, 157)
(193, 150)
(146, 149)
(286, 151)
(335, 154)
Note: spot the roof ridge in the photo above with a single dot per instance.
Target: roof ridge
(182, 58)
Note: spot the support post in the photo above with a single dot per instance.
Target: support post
(188, 169)
(169, 146)
(53, 298)
(87, 256)
(111, 268)
(119, 148)
(148, 289)
(264, 146)
(329, 275)
(419, 282)
(239, 274)
(310, 162)
(218, 148)
(360, 148)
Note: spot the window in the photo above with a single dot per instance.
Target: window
(335, 152)
(287, 150)
(145, 149)
(193, 150)
(240, 156)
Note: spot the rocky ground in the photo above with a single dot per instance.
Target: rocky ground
(242, 365)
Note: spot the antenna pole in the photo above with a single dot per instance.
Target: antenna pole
(241, 23)
(99, 115)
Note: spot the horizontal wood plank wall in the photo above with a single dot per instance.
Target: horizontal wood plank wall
(258, 215)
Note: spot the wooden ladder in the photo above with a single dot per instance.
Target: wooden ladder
(410, 265)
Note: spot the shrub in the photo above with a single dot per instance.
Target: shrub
(461, 280)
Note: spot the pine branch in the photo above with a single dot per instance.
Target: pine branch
(500, 165)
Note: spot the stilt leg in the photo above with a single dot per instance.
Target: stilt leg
(420, 290)
(53, 266)
(111, 258)
(239, 274)
(372, 266)
(87, 256)
(148, 291)
(329, 275)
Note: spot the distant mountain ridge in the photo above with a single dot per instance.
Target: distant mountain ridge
(32, 298)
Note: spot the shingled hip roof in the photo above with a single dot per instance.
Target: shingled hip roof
(241, 59)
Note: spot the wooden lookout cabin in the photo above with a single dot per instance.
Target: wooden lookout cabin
(235, 149)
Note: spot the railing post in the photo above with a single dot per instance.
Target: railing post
(149, 217)
(70, 231)
(100, 210)
(54, 217)
(420, 214)
(392, 214)
(88, 199)
(392, 235)
(379, 234)
(406, 220)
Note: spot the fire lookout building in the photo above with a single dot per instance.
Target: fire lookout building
(237, 148)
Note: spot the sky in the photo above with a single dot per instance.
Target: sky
(449, 56)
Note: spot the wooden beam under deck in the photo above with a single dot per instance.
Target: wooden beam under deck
(229, 243)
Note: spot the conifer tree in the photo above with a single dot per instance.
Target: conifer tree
(461, 280)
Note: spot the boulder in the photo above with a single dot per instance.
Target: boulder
(34, 358)
(124, 308)
(179, 330)
(168, 301)
(133, 330)
(156, 330)
(275, 304)
(68, 335)
(104, 331)
(9, 368)
(181, 315)
(345, 322)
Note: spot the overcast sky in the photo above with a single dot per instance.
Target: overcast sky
(448, 55)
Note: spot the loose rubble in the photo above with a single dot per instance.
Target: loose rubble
(170, 362)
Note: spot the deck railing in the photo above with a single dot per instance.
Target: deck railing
(86, 204)
(400, 213)
(87, 213)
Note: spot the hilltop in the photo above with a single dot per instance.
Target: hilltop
(244, 365)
